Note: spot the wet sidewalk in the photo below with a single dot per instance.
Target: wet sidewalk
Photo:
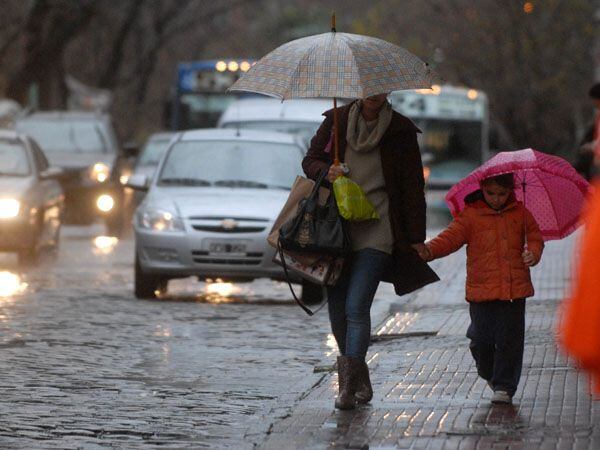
(427, 393)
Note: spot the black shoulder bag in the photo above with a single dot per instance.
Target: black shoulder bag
(315, 229)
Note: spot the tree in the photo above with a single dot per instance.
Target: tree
(535, 65)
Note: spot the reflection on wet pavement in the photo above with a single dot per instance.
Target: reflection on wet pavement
(104, 245)
(85, 364)
(11, 284)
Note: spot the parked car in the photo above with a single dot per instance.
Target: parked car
(149, 157)
(85, 146)
(298, 116)
(210, 207)
(31, 199)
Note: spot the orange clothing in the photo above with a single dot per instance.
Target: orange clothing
(495, 242)
(580, 326)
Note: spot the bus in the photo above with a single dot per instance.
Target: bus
(455, 126)
(200, 94)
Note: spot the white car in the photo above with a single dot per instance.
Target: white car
(298, 116)
(31, 199)
(210, 207)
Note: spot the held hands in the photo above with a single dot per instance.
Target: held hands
(423, 251)
(529, 258)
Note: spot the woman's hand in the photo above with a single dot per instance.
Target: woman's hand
(423, 251)
(334, 172)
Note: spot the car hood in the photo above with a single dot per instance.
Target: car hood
(79, 160)
(221, 202)
(14, 186)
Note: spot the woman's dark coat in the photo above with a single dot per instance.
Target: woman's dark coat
(403, 174)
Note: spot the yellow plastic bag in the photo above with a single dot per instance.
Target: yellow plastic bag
(351, 201)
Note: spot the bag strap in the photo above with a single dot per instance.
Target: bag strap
(305, 308)
(318, 182)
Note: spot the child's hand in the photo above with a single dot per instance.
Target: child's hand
(528, 258)
(423, 251)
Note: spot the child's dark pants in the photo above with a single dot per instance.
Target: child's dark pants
(497, 334)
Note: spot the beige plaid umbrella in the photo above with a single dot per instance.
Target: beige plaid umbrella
(335, 65)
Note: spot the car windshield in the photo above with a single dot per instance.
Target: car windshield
(153, 151)
(305, 130)
(232, 164)
(13, 158)
(82, 136)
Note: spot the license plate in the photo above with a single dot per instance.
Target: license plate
(227, 247)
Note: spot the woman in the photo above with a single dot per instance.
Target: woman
(379, 148)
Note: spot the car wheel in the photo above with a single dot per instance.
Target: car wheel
(312, 294)
(147, 285)
(28, 256)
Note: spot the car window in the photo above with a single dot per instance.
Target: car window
(233, 163)
(13, 158)
(306, 130)
(40, 159)
(83, 136)
(153, 152)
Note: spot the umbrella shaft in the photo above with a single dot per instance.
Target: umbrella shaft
(336, 160)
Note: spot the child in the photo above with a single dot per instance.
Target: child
(493, 225)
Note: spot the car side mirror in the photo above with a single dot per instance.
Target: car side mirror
(50, 173)
(139, 182)
(131, 149)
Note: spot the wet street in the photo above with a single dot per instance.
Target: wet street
(87, 365)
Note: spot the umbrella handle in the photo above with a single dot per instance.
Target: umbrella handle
(336, 160)
(524, 213)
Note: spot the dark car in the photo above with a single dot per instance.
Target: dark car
(31, 199)
(95, 167)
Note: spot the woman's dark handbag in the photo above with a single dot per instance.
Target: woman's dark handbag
(315, 229)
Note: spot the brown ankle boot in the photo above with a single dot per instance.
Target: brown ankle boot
(347, 377)
(364, 390)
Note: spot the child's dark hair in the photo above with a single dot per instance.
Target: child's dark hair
(506, 180)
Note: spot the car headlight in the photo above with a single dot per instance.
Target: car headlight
(9, 208)
(159, 220)
(105, 203)
(99, 172)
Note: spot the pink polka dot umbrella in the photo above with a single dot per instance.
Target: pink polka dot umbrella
(549, 187)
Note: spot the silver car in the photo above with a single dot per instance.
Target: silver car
(211, 205)
(31, 199)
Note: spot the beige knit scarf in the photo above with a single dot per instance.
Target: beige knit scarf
(358, 135)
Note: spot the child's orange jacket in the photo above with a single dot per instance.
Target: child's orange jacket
(495, 242)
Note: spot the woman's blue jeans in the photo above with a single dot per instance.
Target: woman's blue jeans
(351, 298)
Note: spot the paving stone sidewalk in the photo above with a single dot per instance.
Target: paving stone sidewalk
(427, 393)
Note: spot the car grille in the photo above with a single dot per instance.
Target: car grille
(248, 259)
(229, 225)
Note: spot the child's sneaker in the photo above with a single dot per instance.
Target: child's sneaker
(501, 397)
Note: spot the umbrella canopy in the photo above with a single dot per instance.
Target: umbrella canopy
(331, 65)
(549, 187)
